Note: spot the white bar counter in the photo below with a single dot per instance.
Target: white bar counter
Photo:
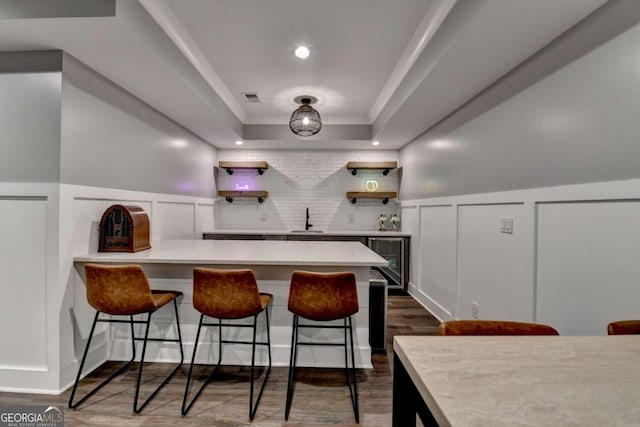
(169, 265)
(238, 252)
(319, 233)
(585, 381)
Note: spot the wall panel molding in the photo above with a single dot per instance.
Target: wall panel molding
(23, 264)
(569, 237)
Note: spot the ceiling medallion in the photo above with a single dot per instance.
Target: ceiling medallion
(305, 120)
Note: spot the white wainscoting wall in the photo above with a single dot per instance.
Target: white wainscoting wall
(171, 217)
(46, 318)
(572, 260)
(28, 355)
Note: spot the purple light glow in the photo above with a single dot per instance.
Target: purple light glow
(241, 187)
(186, 186)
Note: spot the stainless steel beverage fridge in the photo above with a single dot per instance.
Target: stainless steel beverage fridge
(396, 251)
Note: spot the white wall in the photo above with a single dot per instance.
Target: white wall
(576, 125)
(116, 149)
(560, 157)
(29, 170)
(63, 132)
(571, 261)
(30, 123)
(82, 207)
(296, 180)
(599, 284)
(488, 256)
(111, 139)
(28, 261)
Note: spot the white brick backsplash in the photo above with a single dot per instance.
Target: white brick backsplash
(296, 180)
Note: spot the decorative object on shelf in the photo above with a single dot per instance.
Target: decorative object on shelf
(229, 195)
(384, 166)
(395, 222)
(371, 185)
(124, 229)
(243, 189)
(230, 166)
(305, 120)
(384, 195)
(381, 220)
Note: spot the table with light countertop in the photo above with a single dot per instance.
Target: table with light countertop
(508, 381)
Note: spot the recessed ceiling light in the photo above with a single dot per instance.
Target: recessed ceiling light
(238, 142)
(302, 52)
(375, 143)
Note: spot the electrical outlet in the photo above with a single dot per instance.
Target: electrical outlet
(475, 310)
(350, 220)
(506, 224)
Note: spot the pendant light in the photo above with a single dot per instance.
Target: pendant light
(305, 120)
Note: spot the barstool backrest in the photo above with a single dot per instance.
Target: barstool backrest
(624, 327)
(118, 289)
(226, 294)
(323, 296)
(493, 327)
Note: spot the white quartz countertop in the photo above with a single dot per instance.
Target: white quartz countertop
(314, 233)
(261, 252)
(526, 381)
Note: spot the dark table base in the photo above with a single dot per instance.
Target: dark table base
(407, 401)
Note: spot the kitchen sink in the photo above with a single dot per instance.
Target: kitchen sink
(306, 231)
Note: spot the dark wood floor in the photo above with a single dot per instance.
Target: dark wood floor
(321, 396)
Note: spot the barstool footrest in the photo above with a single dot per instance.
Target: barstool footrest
(350, 373)
(132, 322)
(330, 344)
(252, 408)
(322, 326)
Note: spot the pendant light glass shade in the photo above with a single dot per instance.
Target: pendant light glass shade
(305, 120)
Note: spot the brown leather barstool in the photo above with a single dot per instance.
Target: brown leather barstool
(624, 327)
(493, 327)
(123, 290)
(323, 297)
(228, 295)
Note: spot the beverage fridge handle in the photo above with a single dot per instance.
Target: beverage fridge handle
(387, 239)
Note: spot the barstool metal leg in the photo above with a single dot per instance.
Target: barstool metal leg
(292, 366)
(350, 373)
(253, 408)
(84, 359)
(137, 408)
(185, 407)
(354, 392)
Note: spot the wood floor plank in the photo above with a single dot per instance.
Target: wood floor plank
(321, 397)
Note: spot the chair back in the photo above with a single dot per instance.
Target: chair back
(118, 289)
(493, 327)
(624, 327)
(226, 294)
(323, 296)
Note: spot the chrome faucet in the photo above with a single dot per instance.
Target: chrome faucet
(307, 226)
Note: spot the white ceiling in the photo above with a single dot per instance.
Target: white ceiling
(382, 70)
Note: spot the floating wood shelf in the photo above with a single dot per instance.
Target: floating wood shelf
(229, 195)
(230, 166)
(384, 195)
(384, 166)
